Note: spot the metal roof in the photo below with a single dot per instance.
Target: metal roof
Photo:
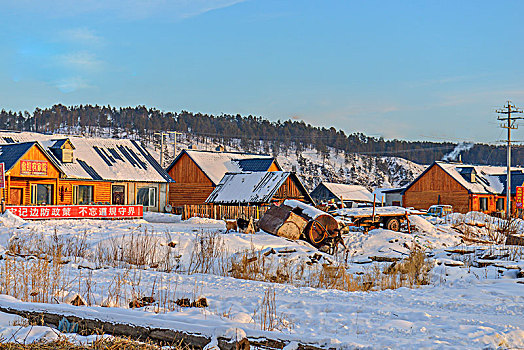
(517, 179)
(251, 187)
(257, 164)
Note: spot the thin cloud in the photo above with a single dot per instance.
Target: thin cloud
(81, 61)
(84, 36)
(71, 84)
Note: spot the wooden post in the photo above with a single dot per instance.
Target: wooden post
(374, 203)
(55, 199)
(409, 225)
(8, 194)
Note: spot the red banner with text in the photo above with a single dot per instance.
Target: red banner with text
(33, 167)
(78, 211)
(519, 196)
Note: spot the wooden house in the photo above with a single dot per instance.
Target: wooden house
(259, 188)
(82, 170)
(465, 187)
(349, 194)
(197, 173)
(31, 175)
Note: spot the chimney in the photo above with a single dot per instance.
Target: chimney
(460, 158)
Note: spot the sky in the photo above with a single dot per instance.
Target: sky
(414, 70)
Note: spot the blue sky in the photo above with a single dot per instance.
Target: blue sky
(418, 70)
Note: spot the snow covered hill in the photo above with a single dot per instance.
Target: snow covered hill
(314, 167)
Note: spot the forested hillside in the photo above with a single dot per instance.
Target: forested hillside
(280, 136)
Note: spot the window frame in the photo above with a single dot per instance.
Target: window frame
(151, 197)
(76, 193)
(34, 194)
(481, 201)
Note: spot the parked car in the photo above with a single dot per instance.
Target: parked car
(440, 210)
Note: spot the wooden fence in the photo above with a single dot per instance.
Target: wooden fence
(219, 212)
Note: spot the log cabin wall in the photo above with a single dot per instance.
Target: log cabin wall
(101, 191)
(289, 190)
(436, 182)
(191, 185)
(25, 186)
(491, 201)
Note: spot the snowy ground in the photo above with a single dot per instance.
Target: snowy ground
(475, 298)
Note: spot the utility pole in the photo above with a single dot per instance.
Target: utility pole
(162, 134)
(508, 123)
(161, 147)
(175, 133)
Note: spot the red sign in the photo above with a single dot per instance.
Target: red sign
(2, 175)
(33, 167)
(78, 211)
(519, 196)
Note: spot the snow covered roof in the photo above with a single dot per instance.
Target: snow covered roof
(486, 179)
(97, 158)
(216, 164)
(349, 192)
(11, 153)
(250, 187)
(479, 179)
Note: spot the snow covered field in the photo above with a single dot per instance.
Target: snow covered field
(475, 298)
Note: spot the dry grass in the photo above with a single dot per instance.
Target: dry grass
(267, 314)
(142, 250)
(515, 252)
(209, 254)
(36, 244)
(485, 229)
(411, 272)
(35, 280)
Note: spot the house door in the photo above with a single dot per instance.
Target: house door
(15, 196)
(118, 194)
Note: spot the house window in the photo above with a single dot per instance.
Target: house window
(146, 196)
(500, 204)
(83, 194)
(41, 194)
(118, 194)
(483, 204)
